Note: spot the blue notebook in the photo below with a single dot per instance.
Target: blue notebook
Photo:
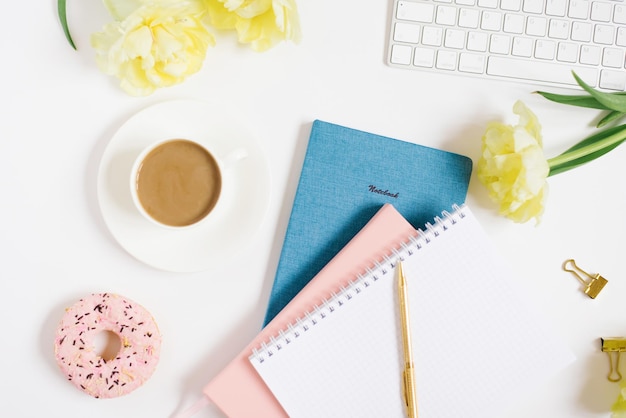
(346, 177)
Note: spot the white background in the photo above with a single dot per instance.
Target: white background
(59, 112)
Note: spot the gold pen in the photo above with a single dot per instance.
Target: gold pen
(408, 376)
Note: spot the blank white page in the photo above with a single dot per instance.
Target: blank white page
(476, 342)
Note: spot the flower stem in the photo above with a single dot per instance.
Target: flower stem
(580, 154)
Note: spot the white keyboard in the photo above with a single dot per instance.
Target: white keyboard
(536, 41)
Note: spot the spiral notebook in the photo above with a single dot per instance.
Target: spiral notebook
(477, 343)
(238, 380)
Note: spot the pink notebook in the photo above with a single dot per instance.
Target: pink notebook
(238, 390)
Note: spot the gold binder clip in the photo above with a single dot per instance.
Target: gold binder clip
(593, 286)
(614, 347)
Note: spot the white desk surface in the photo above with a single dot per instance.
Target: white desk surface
(60, 111)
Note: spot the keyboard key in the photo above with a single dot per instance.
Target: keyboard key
(533, 6)
(416, 12)
(491, 21)
(489, 4)
(424, 57)
(567, 52)
(581, 32)
(613, 80)
(536, 26)
(590, 54)
(477, 41)
(455, 39)
(499, 44)
(621, 37)
(540, 71)
(446, 15)
(513, 23)
(600, 11)
(472, 63)
(468, 18)
(578, 9)
(522, 47)
(613, 57)
(619, 14)
(406, 32)
(466, 2)
(603, 34)
(558, 29)
(512, 5)
(446, 60)
(432, 36)
(545, 49)
(556, 7)
(401, 54)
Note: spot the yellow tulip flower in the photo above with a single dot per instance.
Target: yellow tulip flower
(513, 167)
(157, 45)
(260, 23)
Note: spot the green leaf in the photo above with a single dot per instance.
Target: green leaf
(574, 100)
(610, 117)
(63, 19)
(610, 100)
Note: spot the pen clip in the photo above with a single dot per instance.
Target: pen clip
(408, 380)
(405, 385)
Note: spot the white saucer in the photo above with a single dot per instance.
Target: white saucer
(246, 188)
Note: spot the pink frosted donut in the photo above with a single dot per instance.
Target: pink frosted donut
(140, 343)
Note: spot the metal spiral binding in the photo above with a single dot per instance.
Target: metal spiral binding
(371, 273)
(398, 256)
(331, 308)
(407, 248)
(380, 267)
(275, 343)
(309, 316)
(347, 291)
(293, 331)
(364, 279)
(257, 355)
(431, 229)
(348, 295)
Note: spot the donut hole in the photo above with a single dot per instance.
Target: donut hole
(107, 345)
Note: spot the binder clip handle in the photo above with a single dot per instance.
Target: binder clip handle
(593, 286)
(614, 373)
(614, 347)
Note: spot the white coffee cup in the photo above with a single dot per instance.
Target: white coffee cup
(177, 183)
